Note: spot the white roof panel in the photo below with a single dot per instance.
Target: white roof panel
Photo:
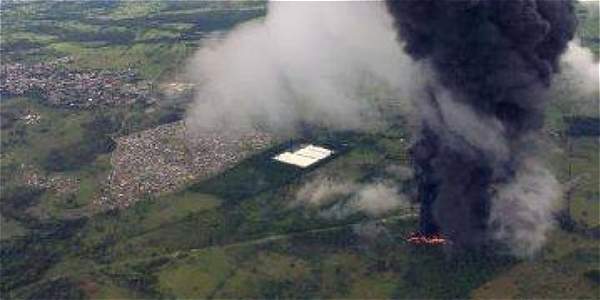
(296, 160)
(321, 150)
(304, 156)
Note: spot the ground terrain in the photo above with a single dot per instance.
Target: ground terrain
(232, 232)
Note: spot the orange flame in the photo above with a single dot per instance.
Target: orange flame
(421, 239)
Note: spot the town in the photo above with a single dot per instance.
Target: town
(60, 86)
(167, 157)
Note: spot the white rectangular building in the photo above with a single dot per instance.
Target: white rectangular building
(305, 156)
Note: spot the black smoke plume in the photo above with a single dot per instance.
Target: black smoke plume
(493, 61)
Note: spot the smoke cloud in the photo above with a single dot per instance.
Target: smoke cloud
(338, 199)
(493, 62)
(325, 64)
(378, 198)
(578, 85)
(324, 191)
(477, 74)
(580, 67)
(522, 211)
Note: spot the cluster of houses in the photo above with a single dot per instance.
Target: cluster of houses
(59, 184)
(61, 86)
(165, 158)
(31, 118)
(157, 160)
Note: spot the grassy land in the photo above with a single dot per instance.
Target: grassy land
(153, 37)
(575, 161)
(98, 35)
(136, 9)
(28, 146)
(560, 270)
(10, 228)
(116, 244)
(249, 244)
(589, 31)
(585, 205)
(195, 276)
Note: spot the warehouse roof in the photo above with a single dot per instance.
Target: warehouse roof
(305, 156)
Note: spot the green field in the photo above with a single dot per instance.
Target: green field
(154, 37)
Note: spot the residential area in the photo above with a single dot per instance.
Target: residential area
(60, 86)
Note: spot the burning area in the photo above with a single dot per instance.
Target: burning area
(473, 81)
(480, 117)
(417, 238)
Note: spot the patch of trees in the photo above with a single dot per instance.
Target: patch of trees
(23, 261)
(221, 20)
(73, 10)
(431, 275)
(342, 238)
(14, 201)
(60, 7)
(61, 288)
(204, 21)
(142, 284)
(289, 289)
(567, 223)
(188, 5)
(141, 279)
(8, 117)
(107, 34)
(593, 276)
(104, 123)
(170, 115)
(583, 126)
(251, 177)
(17, 45)
(73, 157)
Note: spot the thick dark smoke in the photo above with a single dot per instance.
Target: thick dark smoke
(493, 61)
